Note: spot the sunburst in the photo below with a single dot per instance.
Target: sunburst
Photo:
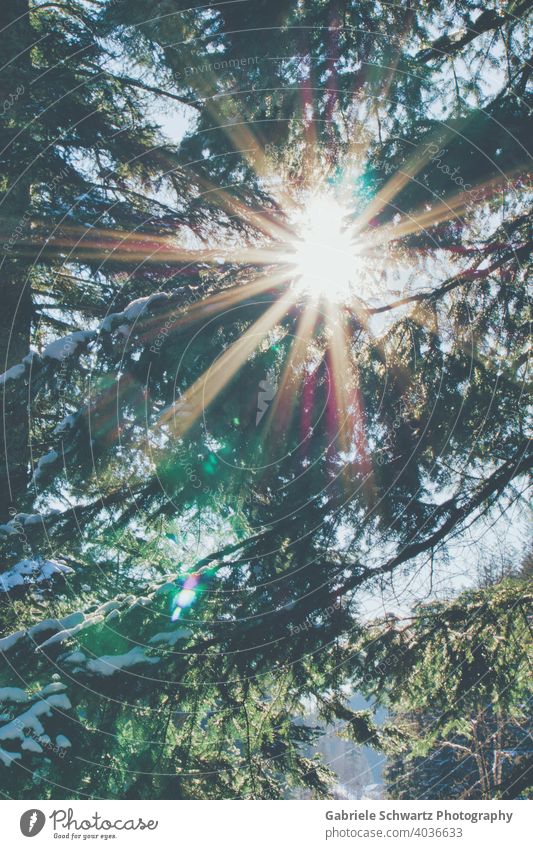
(327, 263)
(315, 253)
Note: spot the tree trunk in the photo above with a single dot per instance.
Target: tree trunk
(15, 292)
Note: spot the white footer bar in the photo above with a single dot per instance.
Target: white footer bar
(272, 825)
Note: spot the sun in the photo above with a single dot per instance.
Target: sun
(326, 261)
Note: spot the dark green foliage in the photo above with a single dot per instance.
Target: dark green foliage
(457, 678)
(278, 526)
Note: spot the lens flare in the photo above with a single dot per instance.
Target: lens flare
(326, 262)
(186, 596)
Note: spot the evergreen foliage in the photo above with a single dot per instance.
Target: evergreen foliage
(180, 583)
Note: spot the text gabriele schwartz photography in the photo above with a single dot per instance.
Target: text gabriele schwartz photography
(265, 516)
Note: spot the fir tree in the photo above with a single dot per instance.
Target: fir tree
(209, 496)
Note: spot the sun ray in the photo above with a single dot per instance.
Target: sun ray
(282, 408)
(341, 377)
(184, 412)
(418, 160)
(346, 416)
(422, 220)
(317, 251)
(212, 305)
(124, 246)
